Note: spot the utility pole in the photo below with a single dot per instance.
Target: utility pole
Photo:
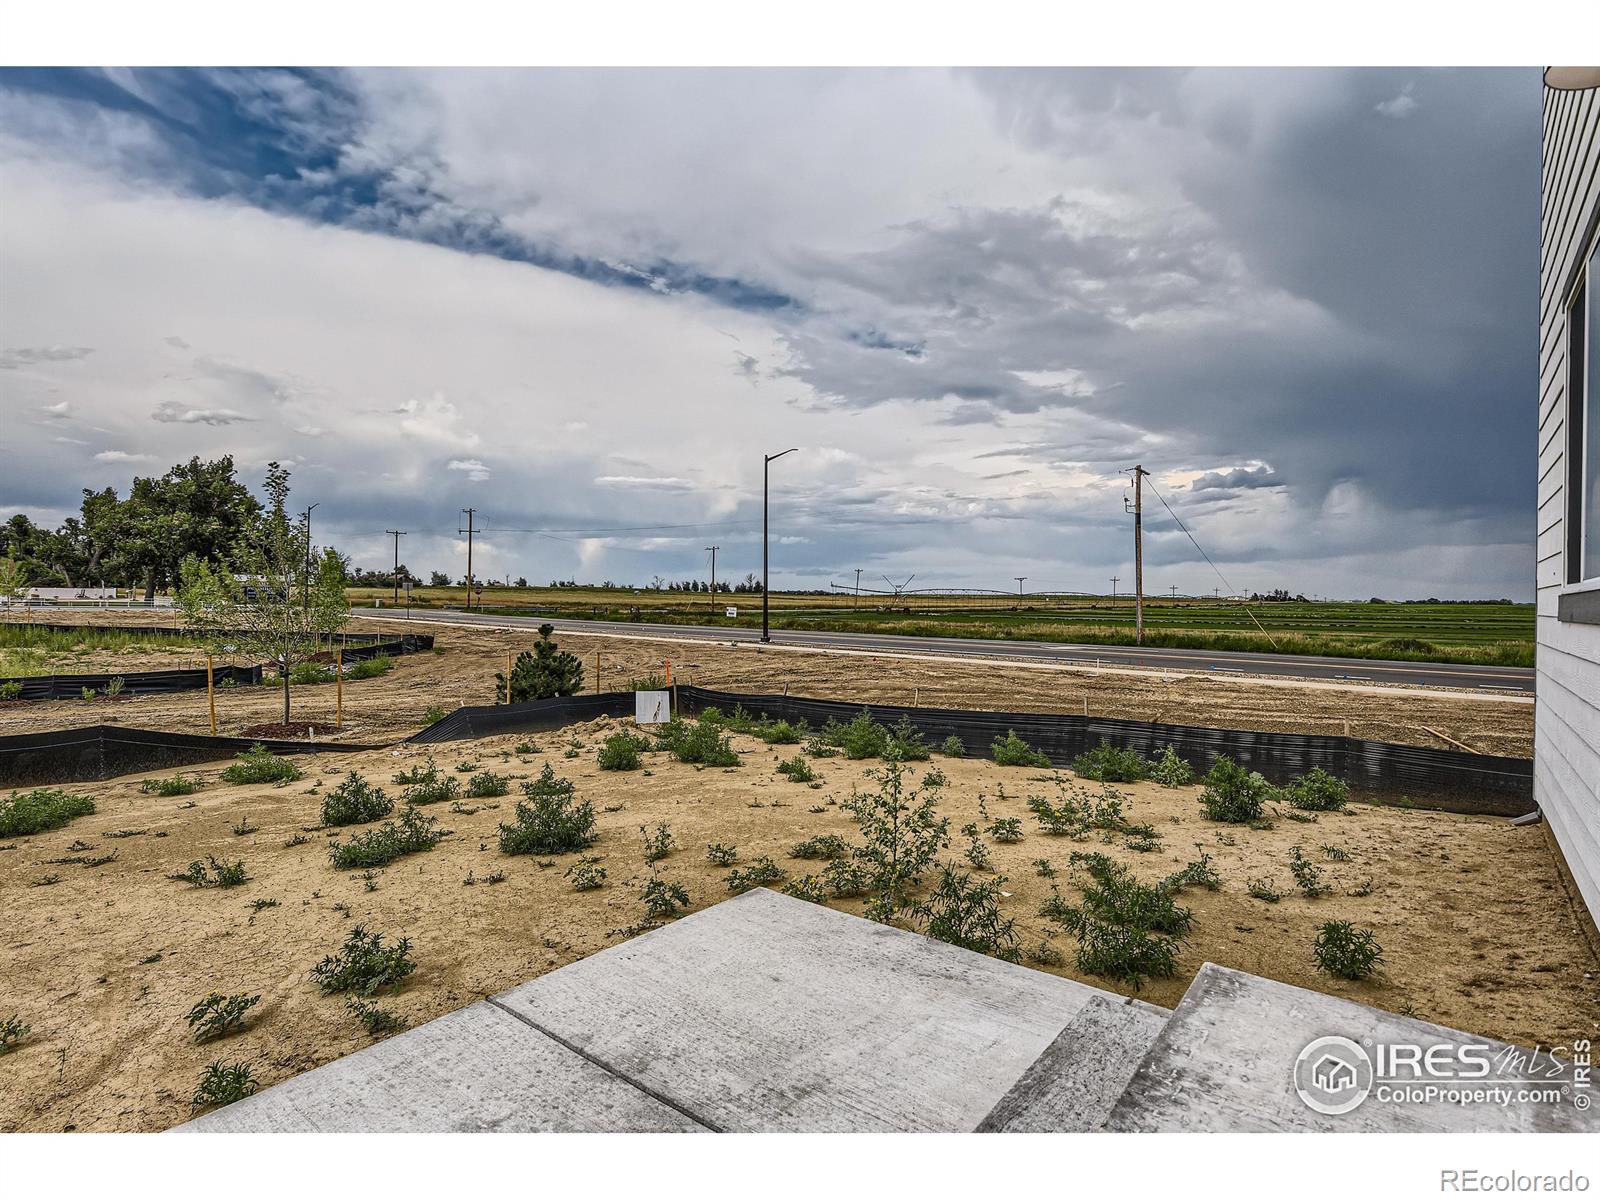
(1138, 554)
(397, 535)
(1019, 579)
(766, 590)
(713, 550)
(858, 588)
(1114, 581)
(1174, 590)
(305, 578)
(469, 531)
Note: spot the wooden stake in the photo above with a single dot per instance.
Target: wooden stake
(211, 695)
(338, 685)
(597, 672)
(669, 672)
(508, 680)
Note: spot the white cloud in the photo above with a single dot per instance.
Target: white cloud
(1398, 107)
(171, 412)
(122, 456)
(474, 469)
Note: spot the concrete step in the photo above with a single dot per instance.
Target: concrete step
(1226, 1061)
(765, 1013)
(1072, 1086)
(476, 1069)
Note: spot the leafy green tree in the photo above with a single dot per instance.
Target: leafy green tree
(266, 606)
(13, 580)
(196, 509)
(548, 671)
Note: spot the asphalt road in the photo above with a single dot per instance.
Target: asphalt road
(1349, 670)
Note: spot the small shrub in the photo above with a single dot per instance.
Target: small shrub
(846, 878)
(374, 1020)
(12, 1032)
(758, 874)
(548, 822)
(797, 770)
(1264, 889)
(10, 690)
(212, 873)
(953, 747)
(901, 835)
(1343, 950)
(659, 844)
(934, 778)
(87, 693)
(260, 765)
(907, 743)
(966, 912)
(428, 785)
(586, 875)
(370, 668)
(218, 1015)
(827, 845)
(1012, 751)
(414, 833)
(1046, 955)
(662, 899)
(1233, 795)
(1171, 771)
(1317, 791)
(1111, 764)
(1335, 853)
(355, 802)
(702, 742)
(1125, 953)
(525, 748)
(364, 965)
(224, 1083)
(780, 733)
(813, 889)
(719, 855)
(1199, 873)
(1043, 868)
(620, 752)
(178, 785)
(434, 715)
(1307, 875)
(486, 784)
(861, 738)
(976, 852)
(25, 813)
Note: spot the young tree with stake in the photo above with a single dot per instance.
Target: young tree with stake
(263, 607)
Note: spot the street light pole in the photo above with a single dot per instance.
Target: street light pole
(305, 579)
(766, 462)
(398, 534)
(1019, 579)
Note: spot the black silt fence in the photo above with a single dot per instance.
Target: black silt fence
(1442, 779)
(1445, 779)
(535, 716)
(134, 683)
(145, 683)
(96, 752)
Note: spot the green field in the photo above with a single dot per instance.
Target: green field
(1487, 634)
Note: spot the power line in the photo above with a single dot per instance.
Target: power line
(629, 528)
(1213, 565)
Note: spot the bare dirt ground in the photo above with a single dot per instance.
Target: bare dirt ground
(1476, 927)
(463, 668)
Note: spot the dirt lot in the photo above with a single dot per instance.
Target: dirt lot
(463, 668)
(1476, 927)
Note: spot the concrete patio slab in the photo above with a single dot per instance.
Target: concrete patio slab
(766, 1013)
(1072, 1086)
(476, 1069)
(1225, 1062)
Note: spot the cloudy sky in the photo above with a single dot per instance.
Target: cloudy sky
(585, 301)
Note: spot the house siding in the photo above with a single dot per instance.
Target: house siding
(1567, 715)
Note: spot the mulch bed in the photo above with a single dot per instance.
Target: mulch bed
(278, 731)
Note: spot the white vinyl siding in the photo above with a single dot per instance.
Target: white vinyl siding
(1567, 715)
